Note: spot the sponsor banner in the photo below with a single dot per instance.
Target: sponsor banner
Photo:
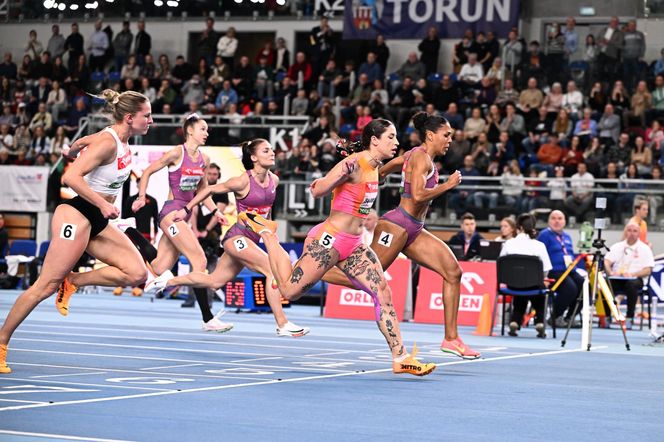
(406, 19)
(657, 281)
(478, 279)
(24, 188)
(344, 303)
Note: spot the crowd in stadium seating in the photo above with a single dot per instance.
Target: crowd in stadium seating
(534, 113)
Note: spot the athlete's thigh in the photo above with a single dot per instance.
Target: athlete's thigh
(245, 251)
(432, 253)
(316, 259)
(114, 248)
(70, 233)
(363, 267)
(388, 241)
(180, 234)
(226, 269)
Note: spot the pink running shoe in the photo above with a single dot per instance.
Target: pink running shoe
(458, 348)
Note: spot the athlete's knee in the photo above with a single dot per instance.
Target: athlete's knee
(136, 276)
(384, 293)
(198, 262)
(452, 274)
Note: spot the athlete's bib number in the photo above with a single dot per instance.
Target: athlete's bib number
(240, 244)
(68, 231)
(173, 230)
(327, 240)
(385, 239)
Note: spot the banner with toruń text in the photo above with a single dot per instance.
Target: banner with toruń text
(410, 19)
(24, 188)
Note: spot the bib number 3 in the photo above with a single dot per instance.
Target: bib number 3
(240, 244)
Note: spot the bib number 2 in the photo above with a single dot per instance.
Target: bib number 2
(173, 230)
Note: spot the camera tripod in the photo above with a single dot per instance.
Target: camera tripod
(588, 297)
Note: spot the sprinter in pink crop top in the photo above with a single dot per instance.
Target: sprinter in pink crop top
(338, 240)
(255, 191)
(402, 230)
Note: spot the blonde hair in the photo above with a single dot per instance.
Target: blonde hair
(120, 104)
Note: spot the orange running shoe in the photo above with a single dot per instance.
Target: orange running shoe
(65, 291)
(412, 366)
(118, 291)
(137, 291)
(4, 368)
(458, 348)
(257, 223)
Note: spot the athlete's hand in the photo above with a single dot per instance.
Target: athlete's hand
(109, 211)
(180, 215)
(221, 218)
(454, 180)
(137, 204)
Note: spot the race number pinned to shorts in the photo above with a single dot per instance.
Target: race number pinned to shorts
(173, 230)
(68, 231)
(240, 244)
(327, 240)
(385, 239)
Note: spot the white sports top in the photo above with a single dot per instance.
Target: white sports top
(109, 178)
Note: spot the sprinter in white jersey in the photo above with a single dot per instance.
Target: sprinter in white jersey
(81, 224)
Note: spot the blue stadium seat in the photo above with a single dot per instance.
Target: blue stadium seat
(43, 248)
(434, 76)
(25, 247)
(114, 77)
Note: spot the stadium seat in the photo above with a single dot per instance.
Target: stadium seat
(434, 76)
(114, 77)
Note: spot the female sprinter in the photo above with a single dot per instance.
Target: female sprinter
(402, 229)
(81, 224)
(254, 193)
(338, 240)
(187, 167)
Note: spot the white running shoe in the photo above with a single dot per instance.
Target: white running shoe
(293, 330)
(159, 283)
(215, 325)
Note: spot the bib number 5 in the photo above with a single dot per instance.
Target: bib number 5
(327, 240)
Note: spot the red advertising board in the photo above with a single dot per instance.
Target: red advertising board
(344, 303)
(478, 278)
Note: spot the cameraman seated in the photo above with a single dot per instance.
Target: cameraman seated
(468, 238)
(526, 244)
(628, 265)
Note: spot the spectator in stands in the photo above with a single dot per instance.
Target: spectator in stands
(263, 78)
(412, 68)
(147, 90)
(640, 216)
(512, 181)
(557, 186)
(268, 52)
(538, 131)
(300, 103)
(590, 56)
(573, 156)
(43, 67)
(508, 94)
(163, 71)
(24, 71)
(165, 95)
(620, 153)
(625, 200)
(131, 69)
(226, 96)
(474, 125)
(513, 51)
(8, 68)
(379, 47)
(480, 152)
(593, 156)
(530, 99)
(493, 120)
(6, 138)
(7, 116)
(525, 243)
(429, 49)
(641, 156)
(193, 91)
(220, 71)
(631, 259)
(60, 72)
(282, 56)
(619, 98)
(610, 41)
(56, 103)
(33, 47)
(471, 73)
(322, 43)
(494, 72)
(563, 126)
(447, 93)
(586, 128)
(22, 116)
(573, 100)
(571, 39)
(97, 47)
(6, 90)
(5, 159)
(507, 229)
(657, 111)
(371, 68)
(609, 126)
(655, 201)
(40, 145)
(328, 80)
(641, 103)
(181, 72)
(513, 123)
(58, 141)
(468, 237)
(597, 99)
(56, 44)
(302, 68)
(492, 50)
(78, 111)
(463, 49)
(122, 46)
(556, 59)
(633, 50)
(553, 101)
(454, 117)
(209, 41)
(582, 198)
(42, 118)
(22, 139)
(550, 153)
(142, 43)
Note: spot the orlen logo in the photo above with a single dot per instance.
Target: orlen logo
(467, 280)
(356, 298)
(467, 303)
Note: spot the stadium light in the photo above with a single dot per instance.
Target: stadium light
(73, 7)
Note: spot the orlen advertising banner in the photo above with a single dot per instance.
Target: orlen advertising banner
(24, 188)
(406, 19)
(344, 303)
(478, 278)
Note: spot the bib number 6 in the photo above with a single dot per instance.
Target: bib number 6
(68, 231)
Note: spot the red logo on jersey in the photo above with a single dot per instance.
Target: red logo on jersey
(372, 187)
(124, 160)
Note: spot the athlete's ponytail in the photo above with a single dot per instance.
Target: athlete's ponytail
(120, 104)
(526, 223)
(424, 122)
(249, 149)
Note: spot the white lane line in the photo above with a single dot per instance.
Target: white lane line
(153, 358)
(58, 436)
(170, 366)
(142, 372)
(257, 359)
(21, 402)
(273, 381)
(64, 375)
(81, 384)
(329, 353)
